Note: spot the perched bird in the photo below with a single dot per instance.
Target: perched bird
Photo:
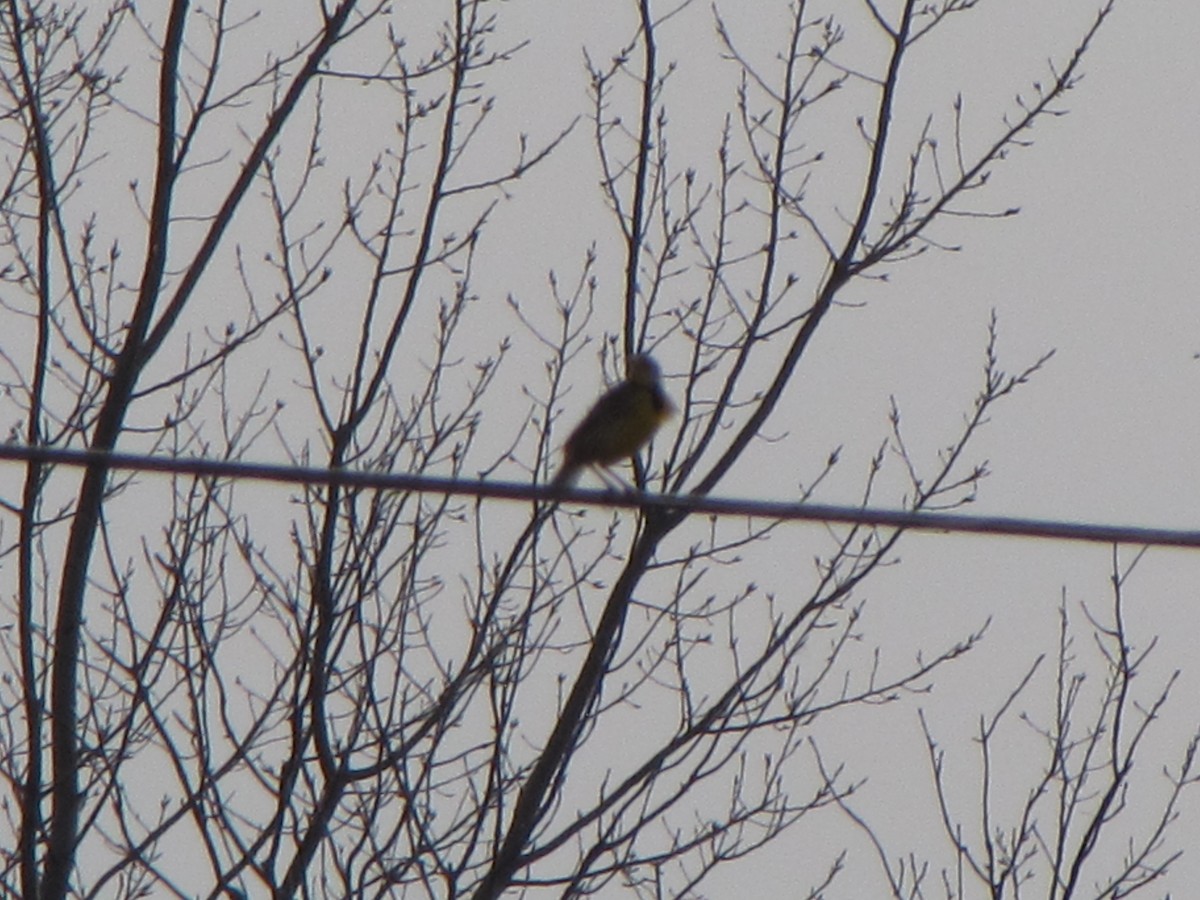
(619, 424)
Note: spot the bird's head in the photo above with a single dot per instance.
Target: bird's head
(643, 370)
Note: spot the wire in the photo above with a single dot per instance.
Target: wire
(1013, 526)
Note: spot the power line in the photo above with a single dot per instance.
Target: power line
(1014, 526)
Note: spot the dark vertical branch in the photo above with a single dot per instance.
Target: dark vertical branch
(31, 789)
(68, 626)
(538, 792)
(363, 400)
(323, 597)
(140, 345)
(637, 214)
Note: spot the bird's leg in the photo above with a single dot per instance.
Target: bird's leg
(615, 482)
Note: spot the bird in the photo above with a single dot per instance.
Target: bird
(619, 424)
